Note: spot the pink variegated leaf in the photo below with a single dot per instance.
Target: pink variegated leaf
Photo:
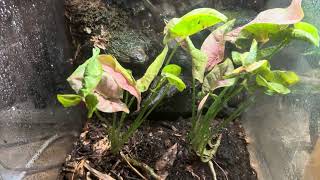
(214, 45)
(108, 87)
(270, 21)
(120, 75)
(110, 105)
(284, 16)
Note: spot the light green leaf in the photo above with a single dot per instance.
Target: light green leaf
(68, 100)
(76, 78)
(92, 77)
(174, 81)
(262, 66)
(239, 58)
(252, 55)
(152, 71)
(91, 103)
(215, 78)
(193, 22)
(262, 31)
(199, 61)
(306, 31)
(287, 78)
(172, 69)
(272, 86)
(246, 58)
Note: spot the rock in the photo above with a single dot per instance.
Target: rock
(112, 23)
(134, 30)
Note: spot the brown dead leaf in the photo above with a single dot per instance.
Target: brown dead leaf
(97, 173)
(166, 161)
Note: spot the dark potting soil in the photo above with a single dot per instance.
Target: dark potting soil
(149, 144)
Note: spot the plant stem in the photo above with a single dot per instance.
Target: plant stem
(124, 115)
(142, 116)
(101, 118)
(236, 113)
(171, 55)
(193, 102)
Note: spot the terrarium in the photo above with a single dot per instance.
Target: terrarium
(158, 89)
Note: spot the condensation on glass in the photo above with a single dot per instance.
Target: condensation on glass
(35, 131)
(284, 130)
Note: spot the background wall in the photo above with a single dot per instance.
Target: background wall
(35, 131)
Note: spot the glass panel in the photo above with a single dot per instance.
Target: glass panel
(35, 131)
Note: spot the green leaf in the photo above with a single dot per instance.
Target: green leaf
(172, 69)
(68, 100)
(307, 32)
(92, 76)
(152, 71)
(271, 21)
(239, 58)
(174, 81)
(287, 78)
(268, 52)
(252, 55)
(262, 31)
(246, 58)
(272, 86)
(262, 66)
(91, 103)
(199, 61)
(215, 78)
(76, 78)
(193, 22)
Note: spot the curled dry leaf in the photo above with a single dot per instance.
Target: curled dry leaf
(202, 102)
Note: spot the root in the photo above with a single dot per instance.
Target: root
(212, 170)
(141, 165)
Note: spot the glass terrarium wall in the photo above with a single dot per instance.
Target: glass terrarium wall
(35, 131)
(284, 130)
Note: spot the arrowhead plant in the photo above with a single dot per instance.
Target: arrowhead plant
(101, 83)
(247, 70)
(105, 86)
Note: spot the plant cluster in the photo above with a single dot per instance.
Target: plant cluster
(101, 81)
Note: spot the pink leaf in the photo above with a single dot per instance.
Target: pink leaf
(121, 76)
(283, 16)
(110, 105)
(213, 47)
(108, 87)
(122, 82)
(280, 16)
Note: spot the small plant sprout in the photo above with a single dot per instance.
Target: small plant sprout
(102, 84)
(246, 70)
